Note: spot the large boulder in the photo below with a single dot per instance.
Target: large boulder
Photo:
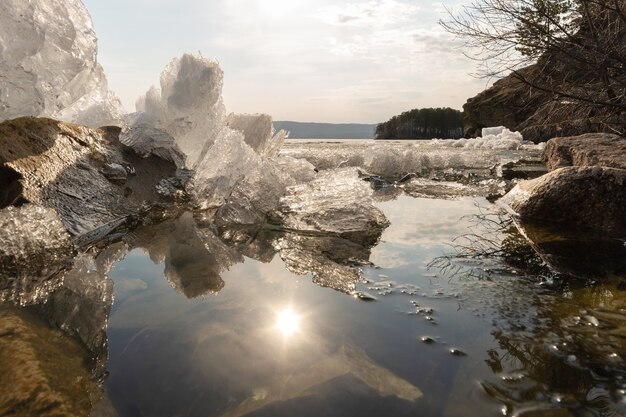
(586, 150)
(587, 198)
(86, 175)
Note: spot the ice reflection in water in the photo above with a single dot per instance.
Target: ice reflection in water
(224, 335)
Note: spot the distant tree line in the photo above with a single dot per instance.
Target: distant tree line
(443, 123)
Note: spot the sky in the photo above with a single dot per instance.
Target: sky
(302, 60)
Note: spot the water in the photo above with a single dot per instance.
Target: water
(453, 315)
(272, 343)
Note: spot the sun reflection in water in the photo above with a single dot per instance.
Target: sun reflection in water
(287, 322)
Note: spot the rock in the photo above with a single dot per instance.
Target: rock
(49, 64)
(508, 102)
(540, 100)
(114, 172)
(588, 198)
(586, 150)
(67, 167)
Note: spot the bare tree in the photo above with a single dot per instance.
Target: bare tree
(578, 46)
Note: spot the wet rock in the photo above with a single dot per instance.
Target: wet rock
(63, 166)
(589, 198)
(457, 352)
(586, 150)
(114, 172)
(44, 372)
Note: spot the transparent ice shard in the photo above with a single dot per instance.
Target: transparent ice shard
(81, 306)
(337, 203)
(188, 106)
(228, 161)
(333, 261)
(35, 248)
(49, 64)
(300, 170)
(258, 133)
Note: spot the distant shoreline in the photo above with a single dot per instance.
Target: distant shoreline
(314, 130)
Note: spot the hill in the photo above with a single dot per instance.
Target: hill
(306, 130)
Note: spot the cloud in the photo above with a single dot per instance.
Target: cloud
(360, 61)
(372, 14)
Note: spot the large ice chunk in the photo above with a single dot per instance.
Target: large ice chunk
(49, 64)
(35, 247)
(258, 133)
(489, 131)
(337, 203)
(188, 106)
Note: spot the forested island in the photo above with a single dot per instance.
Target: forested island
(429, 123)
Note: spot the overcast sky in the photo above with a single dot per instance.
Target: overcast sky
(304, 60)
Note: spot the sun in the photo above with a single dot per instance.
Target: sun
(287, 322)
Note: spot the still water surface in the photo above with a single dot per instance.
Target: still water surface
(443, 337)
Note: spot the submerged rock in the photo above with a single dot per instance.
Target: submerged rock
(571, 253)
(49, 64)
(589, 198)
(44, 373)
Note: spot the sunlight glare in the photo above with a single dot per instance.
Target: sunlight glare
(288, 322)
